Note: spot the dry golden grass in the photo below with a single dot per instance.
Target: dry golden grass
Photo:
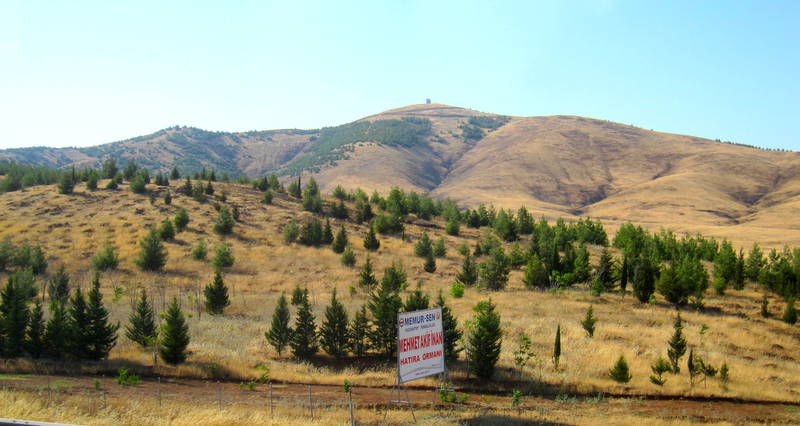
(762, 353)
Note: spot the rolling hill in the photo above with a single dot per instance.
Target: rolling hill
(557, 166)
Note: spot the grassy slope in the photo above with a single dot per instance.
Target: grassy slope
(762, 353)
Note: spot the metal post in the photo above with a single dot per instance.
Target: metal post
(310, 403)
(270, 400)
(350, 400)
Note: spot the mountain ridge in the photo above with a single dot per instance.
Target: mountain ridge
(559, 165)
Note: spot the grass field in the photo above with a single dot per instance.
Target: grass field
(761, 353)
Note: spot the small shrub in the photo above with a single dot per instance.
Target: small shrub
(106, 258)
(223, 257)
(457, 290)
(125, 378)
(200, 251)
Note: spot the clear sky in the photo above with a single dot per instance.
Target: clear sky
(80, 73)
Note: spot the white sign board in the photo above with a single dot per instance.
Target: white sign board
(420, 344)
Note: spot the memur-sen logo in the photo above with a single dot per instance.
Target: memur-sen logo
(402, 322)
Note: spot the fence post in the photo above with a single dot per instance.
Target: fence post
(310, 403)
(270, 400)
(350, 400)
(159, 391)
(219, 394)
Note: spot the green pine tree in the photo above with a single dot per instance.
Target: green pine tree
(327, 233)
(78, 320)
(535, 275)
(66, 185)
(152, 255)
(58, 286)
(417, 300)
(56, 334)
(280, 334)
(394, 277)
(494, 272)
(35, 336)
(452, 335)
(366, 279)
(340, 241)
(384, 304)
(223, 257)
(644, 279)
(424, 246)
(225, 222)
(484, 340)
(107, 258)
(102, 335)
(430, 264)
(216, 295)
(174, 335)
(348, 256)
(304, 338)
(141, 326)
(469, 271)
(620, 373)
(167, 230)
(14, 315)
(790, 313)
(588, 323)
(677, 345)
(439, 249)
(359, 333)
(181, 219)
(371, 242)
(334, 332)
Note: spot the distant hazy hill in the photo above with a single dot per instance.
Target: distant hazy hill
(558, 165)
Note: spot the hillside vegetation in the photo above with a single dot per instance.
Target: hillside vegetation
(540, 276)
(559, 166)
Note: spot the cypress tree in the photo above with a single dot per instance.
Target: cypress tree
(334, 333)
(620, 373)
(181, 219)
(371, 242)
(35, 336)
(348, 257)
(430, 264)
(224, 223)
(340, 241)
(677, 345)
(280, 334)
(644, 279)
(589, 322)
(14, 315)
(216, 295)
(469, 271)
(56, 333)
(623, 275)
(152, 255)
(141, 326)
(691, 366)
(101, 335)
(58, 286)
(366, 278)
(78, 323)
(452, 334)
(304, 339)
(557, 347)
(384, 304)
(359, 333)
(484, 341)
(174, 335)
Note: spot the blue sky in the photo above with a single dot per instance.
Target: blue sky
(80, 73)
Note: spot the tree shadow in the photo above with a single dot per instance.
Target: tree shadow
(497, 419)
